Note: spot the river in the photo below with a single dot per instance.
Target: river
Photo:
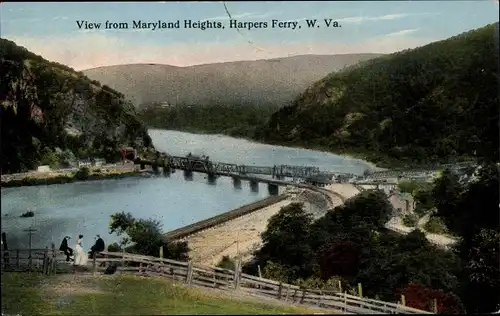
(85, 207)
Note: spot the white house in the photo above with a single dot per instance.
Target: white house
(99, 162)
(43, 169)
(84, 163)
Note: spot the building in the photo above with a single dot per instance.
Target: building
(84, 163)
(99, 162)
(43, 169)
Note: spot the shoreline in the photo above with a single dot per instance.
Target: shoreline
(353, 156)
(64, 178)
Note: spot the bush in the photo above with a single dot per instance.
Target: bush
(83, 173)
(114, 247)
(226, 263)
(435, 225)
(410, 220)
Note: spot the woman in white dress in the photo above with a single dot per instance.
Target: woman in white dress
(80, 255)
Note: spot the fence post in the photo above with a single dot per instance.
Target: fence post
(287, 292)
(435, 306)
(360, 290)
(94, 265)
(403, 301)
(45, 261)
(189, 276)
(237, 275)
(340, 286)
(345, 301)
(53, 261)
(280, 290)
(303, 295)
(30, 259)
(18, 263)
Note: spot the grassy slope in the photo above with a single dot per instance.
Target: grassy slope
(121, 295)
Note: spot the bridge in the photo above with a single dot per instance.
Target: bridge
(190, 164)
(279, 173)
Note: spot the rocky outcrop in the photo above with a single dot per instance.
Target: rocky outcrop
(47, 106)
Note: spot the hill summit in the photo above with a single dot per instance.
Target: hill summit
(271, 82)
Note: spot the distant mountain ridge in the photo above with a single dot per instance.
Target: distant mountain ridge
(267, 82)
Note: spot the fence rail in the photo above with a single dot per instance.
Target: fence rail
(52, 261)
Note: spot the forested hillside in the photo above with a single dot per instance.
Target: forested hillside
(434, 103)
(235, 120)
(51, 114)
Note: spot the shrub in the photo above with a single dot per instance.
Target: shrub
(226, 263)
(435, 225)
(410, 220)
(114, 247)
(83, 173)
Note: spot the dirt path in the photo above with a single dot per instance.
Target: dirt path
(240, 236)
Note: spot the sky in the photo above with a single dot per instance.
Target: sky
(51, 29)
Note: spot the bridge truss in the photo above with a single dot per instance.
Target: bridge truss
(212, 167)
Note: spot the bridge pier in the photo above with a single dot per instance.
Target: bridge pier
(167, 170)
(143, 166)
(212, 178)
(155, 168)
(254, 186)
(237, 182)
(188, 175)
(273, 189)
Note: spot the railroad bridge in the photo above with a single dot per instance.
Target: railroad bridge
(168, 164)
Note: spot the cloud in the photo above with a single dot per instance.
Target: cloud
(89, 50)
(402, 32)
(387, 17)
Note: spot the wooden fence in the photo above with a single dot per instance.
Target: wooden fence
(50, 262)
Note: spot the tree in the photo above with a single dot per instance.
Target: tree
(370, 208)
(82, 173)
(144, 236)
(446, 195)
(49, 158)
(285, 241)
(420, 297)
(339, 259)
(481, 290)
(394, 262)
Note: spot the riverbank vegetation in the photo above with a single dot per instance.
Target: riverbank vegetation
(350, 244)
(82, 174)
(51, 113)
(234, 120)
(145, 237)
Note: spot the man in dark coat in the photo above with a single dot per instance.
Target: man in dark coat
(66, 249)
(97, 247)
